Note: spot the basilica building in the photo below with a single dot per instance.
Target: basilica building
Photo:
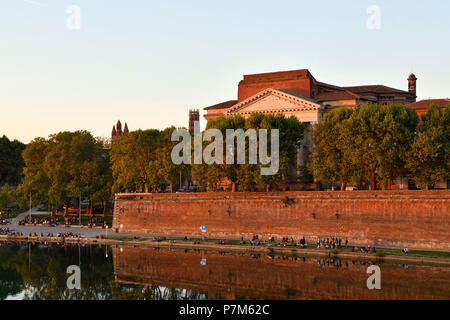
(299, 94)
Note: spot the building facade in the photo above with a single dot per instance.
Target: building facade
(299, 94)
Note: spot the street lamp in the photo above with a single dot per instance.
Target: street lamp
(30, 207)
(79, 209)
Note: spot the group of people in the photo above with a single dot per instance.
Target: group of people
(69, 235)
(8, 232)
(45, 221)
(367, 249)
(331, 243)
(256, 241)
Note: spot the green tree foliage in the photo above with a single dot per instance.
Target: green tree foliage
(141, 160)
(5, 197)
(11, 161)
(247, 176)
(331, 155)
(382, 138)
(356, 145)
(429, 157)
(66, 165)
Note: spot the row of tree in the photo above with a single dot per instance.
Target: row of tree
(67, 166)
(248, 176)
(141, 161)
(349, 146)
(389, 141)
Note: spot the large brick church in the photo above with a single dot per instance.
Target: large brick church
(299, 94)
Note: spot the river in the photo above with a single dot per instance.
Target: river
(39, 271)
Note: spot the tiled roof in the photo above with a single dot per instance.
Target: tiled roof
(428, 103)
(337, 95)
(374, 89)
(222, 105)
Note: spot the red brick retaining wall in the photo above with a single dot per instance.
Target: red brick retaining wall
(416, 219)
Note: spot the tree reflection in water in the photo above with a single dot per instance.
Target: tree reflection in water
(40, 274)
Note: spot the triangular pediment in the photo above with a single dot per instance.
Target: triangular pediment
(274, 101)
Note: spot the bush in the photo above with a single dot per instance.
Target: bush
(288, 201)
(334, 251)
(380, 254)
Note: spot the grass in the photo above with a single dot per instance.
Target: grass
(417, 253)
(381, 252)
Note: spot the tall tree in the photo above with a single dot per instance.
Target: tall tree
(429, 157)
(11, 161)
(134, 158)
(331, 151)
(382, 137)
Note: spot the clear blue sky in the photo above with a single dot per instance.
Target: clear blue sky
(147, 62)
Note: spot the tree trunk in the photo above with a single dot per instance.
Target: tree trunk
(90, 207)
(427, 187)
(146, 188)
(233, 187)
(343, 186)
(373, 183)
(267, 188)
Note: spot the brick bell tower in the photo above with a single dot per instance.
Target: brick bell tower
(412, 81)
(194, 117)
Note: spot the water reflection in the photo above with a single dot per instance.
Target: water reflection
(38, 271)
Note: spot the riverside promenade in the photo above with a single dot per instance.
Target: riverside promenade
(27, 230)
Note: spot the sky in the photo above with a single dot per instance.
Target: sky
(84, 64)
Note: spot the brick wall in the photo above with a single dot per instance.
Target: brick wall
(416, 219)
(297, 81)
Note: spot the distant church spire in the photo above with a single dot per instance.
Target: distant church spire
(117, 130)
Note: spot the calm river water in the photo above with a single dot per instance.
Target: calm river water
(38, 271)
